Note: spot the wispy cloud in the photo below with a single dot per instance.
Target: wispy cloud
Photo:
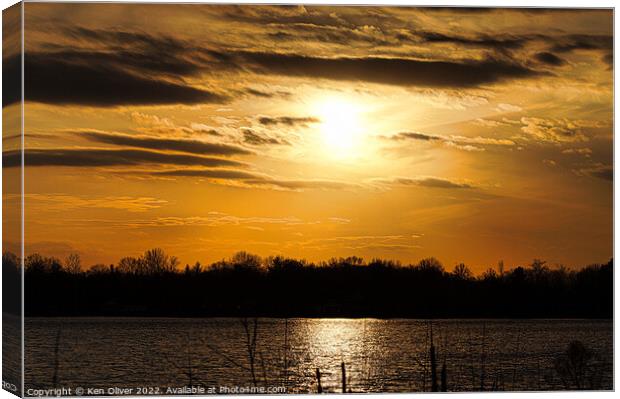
(287, 120)
(364, 242)
(251, 179)
(216, 219)
(598, 170)
(94, 157)
(65, 202)
(255, 138)
(165, 144)
(459, 142)
(390, 71)
(585, 151)
(91, 79)
(422, 181)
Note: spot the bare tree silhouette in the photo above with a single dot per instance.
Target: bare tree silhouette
(73, 264)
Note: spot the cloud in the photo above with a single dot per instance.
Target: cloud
(437, 182)
(500, 43)
(228, 174)
(341, 35)
(279, 14)
(11, 79)
(161, 144)
(366, 242)
(585, 151)
(257, 139)
(241, 178)
(488, 122)
(287, 120)
(464, 147)
(450, 99)
(583, 42)
(267, 94)
(215, 219)
(91, 79)
(605, 173)
(549, 59)
(140, 52)
(481, 140)
(549, 162)
(459, 142)
(206, 129)
(300, 185)
(150, 120)
(415, 136)
(137, 68)
(391, 71)
(497, 123)
(97, 157)
(503, 107)
(339, 220)
(601, 171)
(553, 130)
(423, 181)
(123, 37)
(218, 219)
(64, 202)
(149, 125)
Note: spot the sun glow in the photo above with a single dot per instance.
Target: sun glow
(340, 127)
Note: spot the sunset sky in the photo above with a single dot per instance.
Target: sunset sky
(469, 135)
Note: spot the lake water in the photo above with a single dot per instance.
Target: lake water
(379, 355)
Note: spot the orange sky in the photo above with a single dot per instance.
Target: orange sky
(313, 132)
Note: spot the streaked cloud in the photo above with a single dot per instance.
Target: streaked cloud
(391, 71)
(94, 157)
(422, 181)
(455, 141)
(165, 144)
(287, 120)
(548, 58)
(66, 202)
(303, 184)
(251, 179)
(598, 170)
(91, 79)
(585, 151)
(255, 138)
(227, 174)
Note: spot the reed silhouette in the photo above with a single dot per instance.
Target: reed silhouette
(578, 367)
(245, 285)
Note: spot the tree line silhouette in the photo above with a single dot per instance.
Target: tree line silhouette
(155, 284)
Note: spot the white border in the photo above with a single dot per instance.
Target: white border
(469, 3)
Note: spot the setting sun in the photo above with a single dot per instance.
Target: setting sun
(340, 126)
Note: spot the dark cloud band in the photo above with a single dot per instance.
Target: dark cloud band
(89, 81)
(249, 179)
(257, 139)
(162, 144)
(93, 157)
(427, 181)
(287, 120)
(228, 174)
(549, 59)
(415, 136)
(392, 71)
